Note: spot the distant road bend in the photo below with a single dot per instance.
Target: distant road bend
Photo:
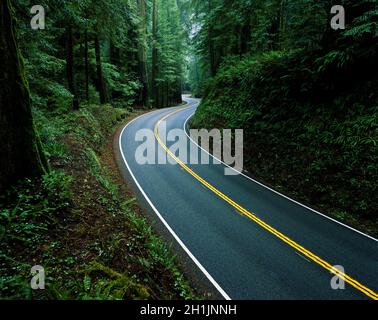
(248, 240)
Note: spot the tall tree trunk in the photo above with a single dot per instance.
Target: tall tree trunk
(246, 32)
(213, 66)
(198, 77)
(100, 77)
(70, 67)
(86, 65)
(282, 27)
(114, 54)
(21, 152)
(167, 101)
(142, 54)
(154, 73)
(115, 59)
(178, 92)
(244, 37)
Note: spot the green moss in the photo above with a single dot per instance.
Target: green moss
(110, 284)
(16, 110)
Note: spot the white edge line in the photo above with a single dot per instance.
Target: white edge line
(275, 191)
(176, 237)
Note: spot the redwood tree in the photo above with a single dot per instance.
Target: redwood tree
(21, 151)
(142, 54)
(155, 70)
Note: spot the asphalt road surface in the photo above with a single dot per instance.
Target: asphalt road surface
(249, 241)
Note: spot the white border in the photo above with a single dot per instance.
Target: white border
(180, 242)
(282, 195)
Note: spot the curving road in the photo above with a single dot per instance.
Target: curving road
(249, 241)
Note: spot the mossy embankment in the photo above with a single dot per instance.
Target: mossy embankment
(81, 224)
(310, 125)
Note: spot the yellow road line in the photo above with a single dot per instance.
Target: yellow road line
(370, 293)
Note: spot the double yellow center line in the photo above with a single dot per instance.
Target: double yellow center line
(370, 293)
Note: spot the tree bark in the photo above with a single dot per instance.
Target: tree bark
(213, 66)
(86, 62)
(166, 100)
(70, 67)
(282, 28)
(115, 59)
(178, 92)
(114, 54)
(142, 55)
(154, 73)
(100, 77)
(21, 152)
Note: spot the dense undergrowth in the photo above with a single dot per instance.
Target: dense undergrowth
(310, 124)
(76, 222)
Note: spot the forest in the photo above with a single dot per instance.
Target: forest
(305, 94)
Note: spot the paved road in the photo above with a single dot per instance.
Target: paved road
(249, 241)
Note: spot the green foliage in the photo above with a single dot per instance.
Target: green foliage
(306, 113)
(46, 52)
(123, 86)
(120, 287)
(46, 221)
(51, 130)
(158, 254)
(169, 42)
(27, 214)
(91, 51)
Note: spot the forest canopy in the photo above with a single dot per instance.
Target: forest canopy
(102, 51)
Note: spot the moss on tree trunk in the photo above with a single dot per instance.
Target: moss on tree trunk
(21, 151)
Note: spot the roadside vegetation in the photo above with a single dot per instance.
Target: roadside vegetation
(65, 86)
(81, 224)
(306, 97)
